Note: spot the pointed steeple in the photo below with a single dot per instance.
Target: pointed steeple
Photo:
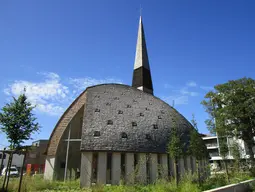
(142, 75)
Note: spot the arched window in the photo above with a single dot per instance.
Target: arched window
(109, 122)
(96, 133)
(124, 135)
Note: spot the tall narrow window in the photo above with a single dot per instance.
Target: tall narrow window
(94, 167)
(109, 168)
(148, 168)
(159, 165)
(122, 165)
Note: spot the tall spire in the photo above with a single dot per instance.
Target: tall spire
(142, 75)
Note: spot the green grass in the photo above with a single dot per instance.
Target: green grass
(187, 184)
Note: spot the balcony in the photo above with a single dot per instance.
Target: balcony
(216, 154)
(212, 145)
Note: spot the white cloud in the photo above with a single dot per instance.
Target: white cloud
(191, 84)
(83, 83)
(50, 95)
(185, 91)
(46, 95)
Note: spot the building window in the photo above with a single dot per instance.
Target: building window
(122, 164)
(134, 101)
(148, 136)
(120, 112)
(124, 135)
(141, 114)
(94, 167)
(109, 168)
(134, 124)
(108, 104)
(128, 106)
(116, 98)
(159, 117)
(147, 109)
(1, 155)
(97, 110)
(109, 122)
(96, 133)
(155, 126)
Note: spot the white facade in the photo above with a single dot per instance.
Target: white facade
(212, 144)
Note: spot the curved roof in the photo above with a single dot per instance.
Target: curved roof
(63, 122)
(122, 118)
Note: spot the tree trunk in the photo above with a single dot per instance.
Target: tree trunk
(176, 171)
(226, 169)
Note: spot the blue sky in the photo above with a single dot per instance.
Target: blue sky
(58, 48)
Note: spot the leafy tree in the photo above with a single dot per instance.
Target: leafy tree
(224, 151)
(232, 104)
(176, 149)
(17, 121)
(197, 147)
(235, 150)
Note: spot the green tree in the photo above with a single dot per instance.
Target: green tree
(232, 104)
(176, 149)
(235, 151)
(224, 151)
(197, 147)
(17, 121)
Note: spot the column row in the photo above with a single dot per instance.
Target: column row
(129, 167)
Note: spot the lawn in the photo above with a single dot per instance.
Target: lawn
(37, 183)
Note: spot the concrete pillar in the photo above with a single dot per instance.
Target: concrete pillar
(49, 168)
(70, 173)
(101, 168)
(129, 169)
(188, 164)
(153, 167)
(164, 166)
(171, 167)
(142, 176)
(86, 169)
(181, 167)
(116, 168)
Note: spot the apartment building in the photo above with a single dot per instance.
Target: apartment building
(212, 144)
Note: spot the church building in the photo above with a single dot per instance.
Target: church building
(115, 132)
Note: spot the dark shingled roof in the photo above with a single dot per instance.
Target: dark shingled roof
(145, 119)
